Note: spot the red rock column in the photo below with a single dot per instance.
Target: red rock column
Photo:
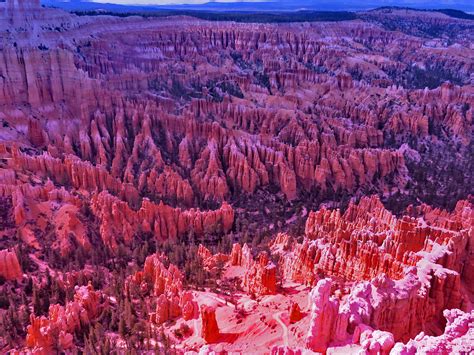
(295, 313)
(210, 330)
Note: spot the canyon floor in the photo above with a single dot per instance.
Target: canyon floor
(173, 185)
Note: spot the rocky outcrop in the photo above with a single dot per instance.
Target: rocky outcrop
(217, 142)
(170, 185)
(368, 240)
(260, 277)
(71, 171)
(166, 284)
(167, 308)
(39, 77)
(209, 329)
(457, 337)
(241, 256)
(295, 314)
(324, 312)
(55, 332)
(414, 265)
(68, 226)
(189, 307)
(396, 311)
(376, 341)
(236, 255)
(10, 268)
(286, 350)
(260, 274)
(403, 308)
(212, 263)
(163, 221)
(41, 210)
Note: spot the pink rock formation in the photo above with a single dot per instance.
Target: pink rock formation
(45, 334)
(236, 255)
(414, 265)
(241, 256)
(163, 221)
(295, 313)
(323, 317)
(286, 350)
(9, 266)
(377, 342)
(260, 278)
(260, 275)
(457, 338)
(189, 307)
(167, 285)
(117, 128)
(26, 71)
(210, 330)
(233, 154)
(212, 262)
(166, 308)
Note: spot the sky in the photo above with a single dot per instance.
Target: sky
(466, 5)
(194, 2)
(168, 2)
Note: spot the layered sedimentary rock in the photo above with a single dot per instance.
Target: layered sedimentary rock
(237, 157)
(194, 142)
(41, 77)
(115, 215)
(236, 255)
(414, 265)
(368, 240)
(389, 311)
(376, 342)
(36, 209)
(260, 274)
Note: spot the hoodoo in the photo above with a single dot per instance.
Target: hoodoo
(209, 330)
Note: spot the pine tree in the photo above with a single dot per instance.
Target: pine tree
(105, 347)
(128, 314)
(29, 285)
(121, 328)
(37, 309)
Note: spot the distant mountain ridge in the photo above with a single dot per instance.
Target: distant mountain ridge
(449, 12)
(278, 5)
(242, 13)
